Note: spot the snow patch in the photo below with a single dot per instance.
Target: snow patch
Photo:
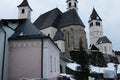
(73, 66)
(110, 66)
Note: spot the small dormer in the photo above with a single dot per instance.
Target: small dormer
(72, 4)
(24, 10)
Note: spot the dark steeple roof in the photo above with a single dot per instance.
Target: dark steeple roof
(103, 39)
(58, 36)
(24, 3)
(94, 16)
(70, 18)
(94, 48)
(50, 18)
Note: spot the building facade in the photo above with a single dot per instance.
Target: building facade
(33, 58)
(25, 51)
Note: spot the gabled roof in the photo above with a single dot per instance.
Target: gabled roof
(57, 19)
(102, 40)
(58, 36)
(24, 3)
(94, 16)
(26, 30)
(50, 18)
(70, 18)
(94, 48)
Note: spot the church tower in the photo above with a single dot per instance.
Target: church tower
(24, 10)
(96, 34)
(72, 4)
(95, 27)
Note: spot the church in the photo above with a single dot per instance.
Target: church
(65, 28)
(96, 34)
(36, 50)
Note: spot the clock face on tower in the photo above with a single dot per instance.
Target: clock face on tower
(97, 18)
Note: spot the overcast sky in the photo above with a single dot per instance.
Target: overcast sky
(108, 10)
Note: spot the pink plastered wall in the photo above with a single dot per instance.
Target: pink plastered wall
(24, 60)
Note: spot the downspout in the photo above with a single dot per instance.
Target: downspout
(3, 60)
(42, 43)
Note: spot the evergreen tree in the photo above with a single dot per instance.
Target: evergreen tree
(82, 58)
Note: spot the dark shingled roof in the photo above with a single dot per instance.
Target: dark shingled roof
(58, 36)
(103, 39)
(70, 18)
(24, 3)
(57, 19)
(26, 30)
(94, 48)
(94, 16)
(50, 18)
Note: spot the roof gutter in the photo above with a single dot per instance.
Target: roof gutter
(3, 60)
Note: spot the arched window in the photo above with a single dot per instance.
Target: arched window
(68, 39)
(75, 4)
(69, 4)
(60, 69)
(23, 11)
(91, 24)
(97, 23)
(51, 64)
(105, 49)
(71, 38)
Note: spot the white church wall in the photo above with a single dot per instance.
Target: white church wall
(106, 48)
(24, 59)
(95, 32)
(50, 31)
(26, 14)
(61, 45)
(51, 68)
